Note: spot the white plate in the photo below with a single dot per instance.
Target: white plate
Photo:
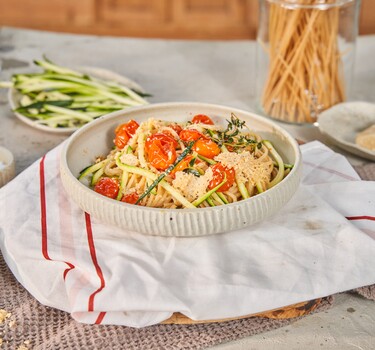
(343, 122)
(14, 96)
(96, 138)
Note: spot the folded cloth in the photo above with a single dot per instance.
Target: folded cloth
(71, 261)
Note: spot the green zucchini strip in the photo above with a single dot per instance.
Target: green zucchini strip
(208, 160)
(242, 188)
(166, 172)
(96, 176)
(222, 197)
(210, 202)
(91, 169)
(259, 187)
(279, 161)
(204, 197)
(125, 174)
(216, 197)
(148, 174)
(68, 112)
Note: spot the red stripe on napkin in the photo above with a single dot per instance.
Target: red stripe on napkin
(363, 217)
(331, 171)
(66, 230)
(43, 216)
(71, 267)
(100, 318)
(95, 262)
(43, 212)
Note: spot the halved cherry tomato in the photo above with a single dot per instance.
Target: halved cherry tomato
(206, 148)
(163, 138)
(124, 132)
(175, 127)
(202, 119)
(121, 140)
(161, 156)
(191, 135)
(130, 198)
(161, 150)
(107, 187)
(218, 171)
(182, 165)
(130, 127)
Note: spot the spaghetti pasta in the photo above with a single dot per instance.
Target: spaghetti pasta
(185, 165)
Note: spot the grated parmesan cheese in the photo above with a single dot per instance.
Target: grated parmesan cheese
(191, 186)
(246, 166)
(129, 159)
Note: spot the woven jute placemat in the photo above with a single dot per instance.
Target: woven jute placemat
(26, 324)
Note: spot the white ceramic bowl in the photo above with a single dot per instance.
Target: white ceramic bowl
(95, 139)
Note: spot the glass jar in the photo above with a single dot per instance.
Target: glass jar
(305, 56)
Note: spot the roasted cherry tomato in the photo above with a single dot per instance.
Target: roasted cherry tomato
(124, 132)
(121, 140)
(175, 127)
(185, 163)
(202, 119)
(130, 127)
(163, 138)
(206, 148)
(191, 135)
(161, 156)
(130, 198)
(161, 150)
(107, 187)
(218, 171)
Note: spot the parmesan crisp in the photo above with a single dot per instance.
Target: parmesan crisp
(191, 186)
(129, 159)
(247, 167)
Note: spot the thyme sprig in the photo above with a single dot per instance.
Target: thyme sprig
(233, 136)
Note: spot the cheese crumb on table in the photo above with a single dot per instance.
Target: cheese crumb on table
(24, 346)
(4, 315)
(12, 323)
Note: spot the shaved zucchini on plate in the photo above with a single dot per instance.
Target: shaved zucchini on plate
(61, 100)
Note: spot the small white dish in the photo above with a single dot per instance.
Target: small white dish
(7, 166)
(96, 138)
(341, 124)
(14, 96)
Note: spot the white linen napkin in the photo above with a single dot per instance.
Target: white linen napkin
(71, 261)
